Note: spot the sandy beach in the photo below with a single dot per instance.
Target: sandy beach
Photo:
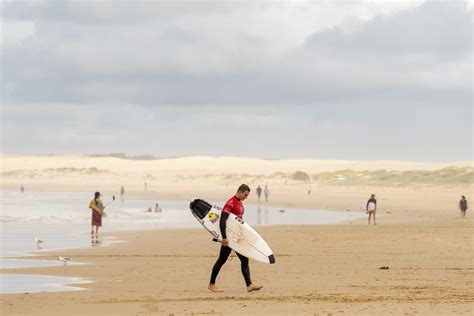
(319, 270)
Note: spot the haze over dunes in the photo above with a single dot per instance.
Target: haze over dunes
(109, 172)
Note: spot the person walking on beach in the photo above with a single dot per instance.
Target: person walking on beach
(146, 186)
(266, 191)
(97, 208)
(371, 207)
(122, 193)
(22, 189)
(259, 193)
(233, 206)
(463, 206)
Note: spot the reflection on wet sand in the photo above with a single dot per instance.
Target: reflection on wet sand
(268, 215)
(259, 215)
(95, 240)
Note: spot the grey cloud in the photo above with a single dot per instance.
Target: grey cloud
(400, 58)
(110, 11)
(435, 29)
(396, 87)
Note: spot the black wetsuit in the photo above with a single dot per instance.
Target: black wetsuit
(225, 252)
(463, 205)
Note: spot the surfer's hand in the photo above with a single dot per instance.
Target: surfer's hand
(225, 242)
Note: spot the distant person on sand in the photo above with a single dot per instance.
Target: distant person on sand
(233, 206)
(266, 191)
(463, 206)
(259, 193)
(97, 210)
(122, 193)
(22, 189)
(371, 207)
(157, 208)
(146, 186)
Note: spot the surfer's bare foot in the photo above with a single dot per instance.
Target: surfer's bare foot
(214, 288)
(252, 287)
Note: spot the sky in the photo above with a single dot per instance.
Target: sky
(349, 79)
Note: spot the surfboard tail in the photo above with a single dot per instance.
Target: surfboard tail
(271, 259)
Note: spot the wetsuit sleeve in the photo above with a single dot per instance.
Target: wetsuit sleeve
(222, 224)
(367, 206)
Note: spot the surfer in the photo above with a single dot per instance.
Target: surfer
(371, 207)
(233, 206)
(97, 209)
(463, 206)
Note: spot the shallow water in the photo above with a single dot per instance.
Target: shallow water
(24, 283)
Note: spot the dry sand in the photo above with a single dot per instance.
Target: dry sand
(320, 269)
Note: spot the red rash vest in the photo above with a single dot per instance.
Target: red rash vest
(234, 206)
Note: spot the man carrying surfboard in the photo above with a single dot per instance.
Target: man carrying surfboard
(233, 206)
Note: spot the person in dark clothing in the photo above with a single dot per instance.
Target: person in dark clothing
(463, 206)
(371, 207)
(259, 193)
(233, 206)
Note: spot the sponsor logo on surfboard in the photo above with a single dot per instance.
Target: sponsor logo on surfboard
(213, 217)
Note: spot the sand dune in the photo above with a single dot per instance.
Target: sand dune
(108, 173)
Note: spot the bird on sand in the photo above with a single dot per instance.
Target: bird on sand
(64, 259)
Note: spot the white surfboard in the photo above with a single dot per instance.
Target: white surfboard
(371, 207)
(242, 237)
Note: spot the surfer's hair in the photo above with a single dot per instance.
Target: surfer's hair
(96, 195)
(243, 188)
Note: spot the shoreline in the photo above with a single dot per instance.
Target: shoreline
(108, 238)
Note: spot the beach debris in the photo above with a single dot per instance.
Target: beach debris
(384, 268)
(65, 260)
(38, 242)
(282, 211)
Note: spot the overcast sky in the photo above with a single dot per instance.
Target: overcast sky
(349, 79)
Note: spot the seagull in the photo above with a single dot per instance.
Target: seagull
(38, 242)
(64, 259)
